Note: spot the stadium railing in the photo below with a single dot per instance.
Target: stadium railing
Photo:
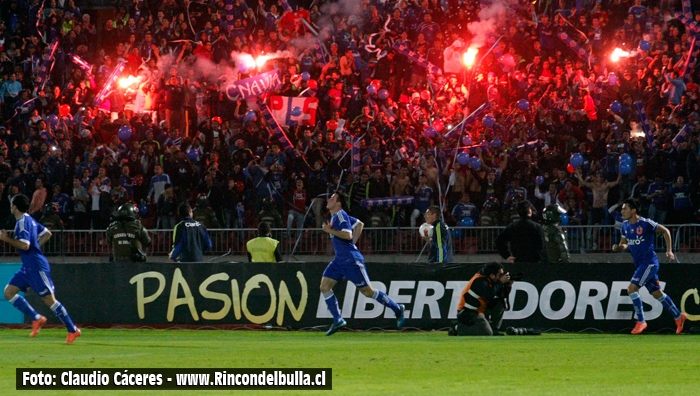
(374, 241)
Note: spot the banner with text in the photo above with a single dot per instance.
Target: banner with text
(572, 298)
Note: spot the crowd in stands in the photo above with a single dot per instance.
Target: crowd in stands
(188, 140)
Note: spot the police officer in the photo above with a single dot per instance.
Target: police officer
(269, 214)
(490, 213)
(127, 236)
(440, 251)
(53, 222)
(554, 236)
(522, 241)
(203, 213)
(481, 303)
(263, 249)
(190, 239)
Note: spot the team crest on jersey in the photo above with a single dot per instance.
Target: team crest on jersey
(640, 230)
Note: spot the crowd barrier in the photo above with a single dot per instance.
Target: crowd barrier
(309, 241)
(270, 295)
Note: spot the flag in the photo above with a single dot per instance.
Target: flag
(283, 107)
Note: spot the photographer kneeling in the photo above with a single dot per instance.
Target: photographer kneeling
(483, 299)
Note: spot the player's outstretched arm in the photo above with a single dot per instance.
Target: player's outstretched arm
(5, 237)
(661, 230)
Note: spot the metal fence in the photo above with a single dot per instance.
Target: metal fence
(466, 240)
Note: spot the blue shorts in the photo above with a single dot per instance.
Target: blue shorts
(647, 276)
(352, 270)
(40, 282)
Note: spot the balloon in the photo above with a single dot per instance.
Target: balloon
(564, 219)
(305, 76)
(616, 106)
(53, 120)
(475, 162)
(523, 104)
(376, 83)
(570, 168)
(625, 169)
(467, 222)
(644, 45)
(193, 154)
(425, 94)
(438, 125)
(612, 79)
(456, 233)
(576, 160)
(625, 159)
(488, 121)
(496, 143)
(372, 89)
(250, 116)
(312, 84)
(64, 110)
(296, 111)
(507, 60)
(429, 132)
(539, 180)
(143, 210)
(331, 125)
(239, 186)
(383, 94)
(124, 133)
(463, 158)
(467, 140)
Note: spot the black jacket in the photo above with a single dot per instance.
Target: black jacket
(526, 240)
(190, 241)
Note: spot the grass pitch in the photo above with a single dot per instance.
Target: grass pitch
(384, 363)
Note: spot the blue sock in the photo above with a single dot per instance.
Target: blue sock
(638, 306)
(386, 301)
(60, 311)
(332, 304)
(22, 304)
(670, 306)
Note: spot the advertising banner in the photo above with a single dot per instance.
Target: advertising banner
(567, 297)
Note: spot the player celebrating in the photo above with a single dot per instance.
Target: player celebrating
(348, 263)
(638, 236)
(35, 273)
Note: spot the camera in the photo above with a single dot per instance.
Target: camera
(517, 277)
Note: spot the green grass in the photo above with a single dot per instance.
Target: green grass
(382, 363)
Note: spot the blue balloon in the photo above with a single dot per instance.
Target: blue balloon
(625, 169)
(143, 209)
(383, 94)
(467, 222)
(576, 160)
(616, 106)
(372, 89)
(626, 159)
(523, 104)
(124, 133)
(296, 111)
(305, 76)
(467, 140)
(475, 162)
(53, 120)
(644, 45)
(456, 233)
(564, 219)
(612, 79)
(539, 180)
(488, 121)
(193, 154)
(463, 158)
(250, 116)
(496, 143)
(429, 132)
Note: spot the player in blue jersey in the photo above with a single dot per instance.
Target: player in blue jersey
(348, 263)
(638, 236)
(35, 273)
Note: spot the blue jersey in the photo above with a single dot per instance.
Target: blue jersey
(344, 249)
(640, 241)
(29, 230)
(423, 199)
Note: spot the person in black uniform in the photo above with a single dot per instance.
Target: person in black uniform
(522, 241)
(127, 236)
(191, 239)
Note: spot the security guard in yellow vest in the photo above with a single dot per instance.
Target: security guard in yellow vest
(263, 249)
